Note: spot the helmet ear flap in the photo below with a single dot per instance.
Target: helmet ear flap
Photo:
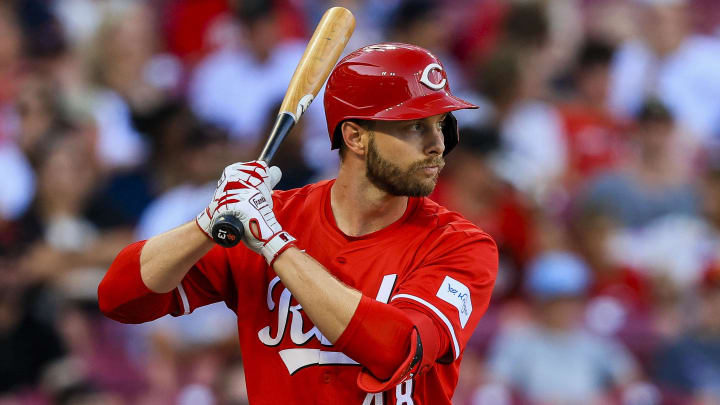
(451, 133)
(336, 137)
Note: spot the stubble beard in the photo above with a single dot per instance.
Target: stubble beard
(396, 181)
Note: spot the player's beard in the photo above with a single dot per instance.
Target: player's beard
(394, 180)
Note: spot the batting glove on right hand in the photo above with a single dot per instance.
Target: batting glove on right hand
(245, 192)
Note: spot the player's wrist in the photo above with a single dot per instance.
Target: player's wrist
(203, 223)
(277, 245)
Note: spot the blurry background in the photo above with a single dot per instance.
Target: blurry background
(594, 162)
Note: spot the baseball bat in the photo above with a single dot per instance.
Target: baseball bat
(322, 52)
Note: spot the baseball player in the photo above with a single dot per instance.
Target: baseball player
(357, 290)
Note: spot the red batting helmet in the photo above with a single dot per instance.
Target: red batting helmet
(390, 82)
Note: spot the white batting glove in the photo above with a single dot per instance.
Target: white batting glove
(245, 192)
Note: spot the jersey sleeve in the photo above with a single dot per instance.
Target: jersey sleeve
(210, 280)
(452, 283)
(123, 296)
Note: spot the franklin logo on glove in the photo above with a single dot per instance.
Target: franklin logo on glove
(258, 202)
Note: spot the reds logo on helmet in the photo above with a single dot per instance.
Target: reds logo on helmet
(390, 82)
(425, 79)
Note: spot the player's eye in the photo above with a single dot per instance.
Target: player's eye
(442, 121)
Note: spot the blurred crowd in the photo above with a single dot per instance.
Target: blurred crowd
(594, 162)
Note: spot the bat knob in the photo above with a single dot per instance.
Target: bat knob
(227, 230)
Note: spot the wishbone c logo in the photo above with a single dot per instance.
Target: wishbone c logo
(425, 78)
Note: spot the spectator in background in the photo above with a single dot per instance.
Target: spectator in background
(710, 192)
(653, 183)
(166, 128)
(674, 64)
(39, 109)
(10, 59)
(679, 246)
(591, 232)
(594, 137)
(95, 368)
(191, 27)
(426, 24)
(60, 231)
(44, 42)
(28, 341)
(17, 183)
(554, 360)
(690, 365)
(498, 83)
(127, 58)
(533, 152)
(236, 88)
(233, 389)
(371, 19)
(614, 20)
(119, 80)
(129, 78)
(620, 296)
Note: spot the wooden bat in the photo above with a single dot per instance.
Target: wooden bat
(322, 52)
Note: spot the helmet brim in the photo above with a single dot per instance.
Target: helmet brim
(423, 107)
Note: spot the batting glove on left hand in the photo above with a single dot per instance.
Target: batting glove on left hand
(245, 192)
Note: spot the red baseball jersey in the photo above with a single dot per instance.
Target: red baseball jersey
(431, 258)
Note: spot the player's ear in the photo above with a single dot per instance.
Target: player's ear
(353, 133)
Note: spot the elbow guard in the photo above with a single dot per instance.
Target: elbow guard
(411, 365)
(392, 344)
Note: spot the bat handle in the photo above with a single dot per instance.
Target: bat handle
(227, 230)
(283, 124)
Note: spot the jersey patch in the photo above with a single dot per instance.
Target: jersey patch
(456, 294)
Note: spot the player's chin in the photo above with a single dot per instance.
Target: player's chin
(424, 186)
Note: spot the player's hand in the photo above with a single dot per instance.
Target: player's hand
(245, 192)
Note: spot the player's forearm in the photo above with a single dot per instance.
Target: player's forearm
(329, 303)
(166, 258)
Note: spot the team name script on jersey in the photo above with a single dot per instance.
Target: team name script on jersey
(296, 359)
